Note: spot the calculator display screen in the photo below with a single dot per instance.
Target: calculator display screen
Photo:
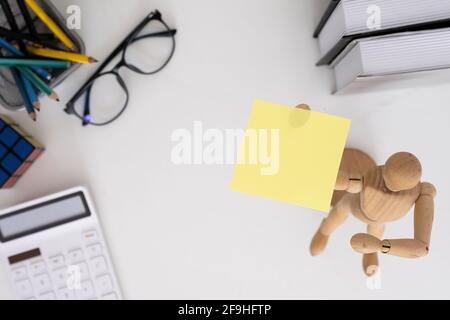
(43, 216)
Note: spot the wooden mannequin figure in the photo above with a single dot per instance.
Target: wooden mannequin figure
(377, 195)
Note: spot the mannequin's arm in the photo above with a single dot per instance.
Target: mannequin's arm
(405, 248)
(349, 183)
(423, 223)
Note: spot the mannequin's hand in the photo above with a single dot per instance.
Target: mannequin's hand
(365, 243)
(304, 107)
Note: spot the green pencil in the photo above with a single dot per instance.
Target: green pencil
(35, 80)
(26, 100)
(13, 62)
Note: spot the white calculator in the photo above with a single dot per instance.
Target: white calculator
(53, 248)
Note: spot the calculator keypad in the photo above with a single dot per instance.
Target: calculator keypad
(76, 256)
(94, 250)
(80, 273)
(47, 296)
(42, 283)
(24, 289)
(38, 267)
(60, 277)
(66, 294)
(87, 290)
(20, 273)
(105, 284)
(57, 262)
(99, 266)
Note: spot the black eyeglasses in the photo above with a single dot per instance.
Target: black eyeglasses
(146, 50)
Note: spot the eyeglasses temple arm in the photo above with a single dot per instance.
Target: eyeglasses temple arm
(168, 33)
(119, 48)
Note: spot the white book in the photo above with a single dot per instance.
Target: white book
(351, 17)
(395, 54)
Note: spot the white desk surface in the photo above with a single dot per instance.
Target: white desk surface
(178, 231)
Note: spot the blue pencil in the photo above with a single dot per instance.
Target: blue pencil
(16, 52)
(31, 93)
(20, 85)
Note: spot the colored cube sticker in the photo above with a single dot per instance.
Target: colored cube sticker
(3, 151)
(291, 155)
(11, 163)
(9, 137)
(23, 149)
(18, 151)
(3, 177)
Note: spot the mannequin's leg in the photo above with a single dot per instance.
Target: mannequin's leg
(370, 261)
(337, 217)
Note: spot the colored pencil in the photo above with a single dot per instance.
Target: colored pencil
(61, 55)
(44, 17)
(12, 21)
(41, 85)
(20, 86)
(16, 52)
(31, 93)
(28, 20)
(11, 35)
(15, 62)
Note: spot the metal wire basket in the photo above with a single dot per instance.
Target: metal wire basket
(9, 94)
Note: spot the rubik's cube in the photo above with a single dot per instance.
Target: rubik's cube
(18, 151)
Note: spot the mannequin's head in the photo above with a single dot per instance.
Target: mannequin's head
(402, 171)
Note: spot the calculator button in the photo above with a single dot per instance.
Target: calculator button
(76, 255)
(47, 296)
(19, 273)
(56, 262)
(24, 289)
(110, 296)
(87, 290)
(66, 294)
(99, 266)
(37, 268)
(83, 270)
(91, 235)
(42, 283)
(60, 277)
(104, 284)
(94, 250)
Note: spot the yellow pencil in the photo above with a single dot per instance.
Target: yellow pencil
(60, 55)
(50, 24)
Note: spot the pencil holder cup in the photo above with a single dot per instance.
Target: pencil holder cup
(10, 97)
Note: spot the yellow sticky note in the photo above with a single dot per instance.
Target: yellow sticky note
(291, 155)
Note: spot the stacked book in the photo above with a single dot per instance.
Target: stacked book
(363, 39)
